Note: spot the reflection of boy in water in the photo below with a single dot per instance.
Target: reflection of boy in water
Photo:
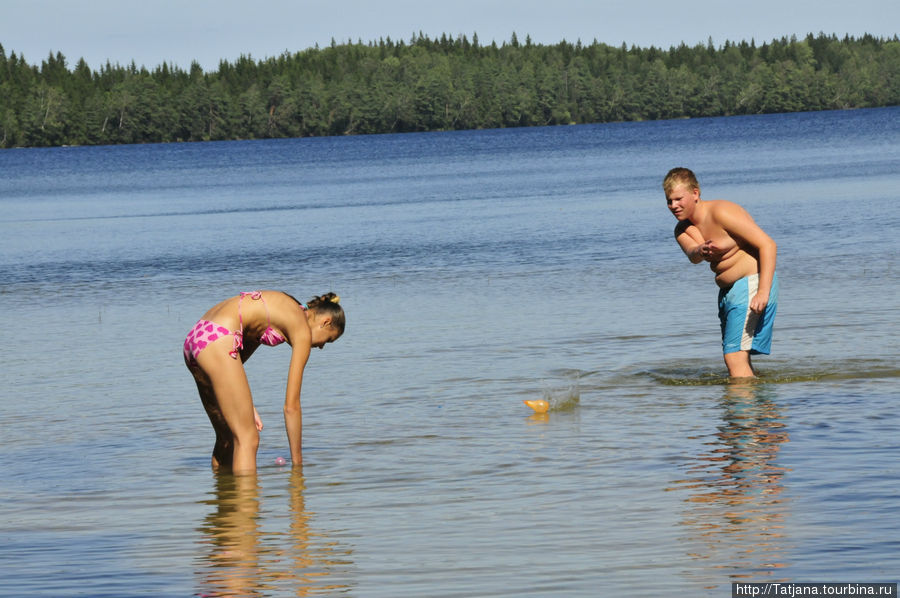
(737, 510)
(742, 256)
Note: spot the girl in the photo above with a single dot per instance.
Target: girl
(227, 335)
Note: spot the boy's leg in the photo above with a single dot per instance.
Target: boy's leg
(739, 365)
(739, 326)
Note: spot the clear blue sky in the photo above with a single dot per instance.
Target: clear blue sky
(151, 32)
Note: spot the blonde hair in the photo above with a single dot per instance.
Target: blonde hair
(680, 176)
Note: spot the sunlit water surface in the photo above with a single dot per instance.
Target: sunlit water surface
(478, 270)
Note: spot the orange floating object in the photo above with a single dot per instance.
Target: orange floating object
(539, 405)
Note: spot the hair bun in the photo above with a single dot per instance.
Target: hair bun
(324, 299)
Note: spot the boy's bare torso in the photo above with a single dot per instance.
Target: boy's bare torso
(733, 261)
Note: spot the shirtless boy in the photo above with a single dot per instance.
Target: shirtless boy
(741, 255)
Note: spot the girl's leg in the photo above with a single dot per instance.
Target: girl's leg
(223, 449)
(232, 415)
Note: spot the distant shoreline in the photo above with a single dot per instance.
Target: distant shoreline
(438, 85)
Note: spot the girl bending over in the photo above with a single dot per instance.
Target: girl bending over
(226, 336)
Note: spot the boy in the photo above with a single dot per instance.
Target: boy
(742, 256)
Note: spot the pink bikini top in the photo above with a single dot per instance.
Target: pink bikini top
(270, 336)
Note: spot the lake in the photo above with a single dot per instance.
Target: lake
(478, 269)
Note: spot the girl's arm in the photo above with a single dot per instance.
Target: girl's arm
(293, 414)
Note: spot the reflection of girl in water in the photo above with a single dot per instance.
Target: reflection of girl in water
(232, 533)
(245, 560)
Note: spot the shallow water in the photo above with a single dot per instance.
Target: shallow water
(478, 269)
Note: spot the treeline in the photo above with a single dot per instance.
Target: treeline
(437, 84)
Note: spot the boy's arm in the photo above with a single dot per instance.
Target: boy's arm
(690, 240)
(741, 226)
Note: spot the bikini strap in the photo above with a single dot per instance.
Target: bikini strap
(239, 335)
(258, 295)
(254, 295)
(241, 317)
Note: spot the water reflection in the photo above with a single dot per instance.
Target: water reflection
(245, 555)
(737, 506)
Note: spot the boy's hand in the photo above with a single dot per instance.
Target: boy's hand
(710, 252)
(759, 302)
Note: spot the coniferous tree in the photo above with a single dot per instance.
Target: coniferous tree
(437, 84)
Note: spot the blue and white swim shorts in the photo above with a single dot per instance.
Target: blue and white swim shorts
(743, 330)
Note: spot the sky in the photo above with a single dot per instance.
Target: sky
(179, 32)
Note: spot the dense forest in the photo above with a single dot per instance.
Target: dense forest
(437, 84)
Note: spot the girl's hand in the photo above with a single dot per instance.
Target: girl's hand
(257, 420)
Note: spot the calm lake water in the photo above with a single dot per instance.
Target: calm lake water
(478, 269)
